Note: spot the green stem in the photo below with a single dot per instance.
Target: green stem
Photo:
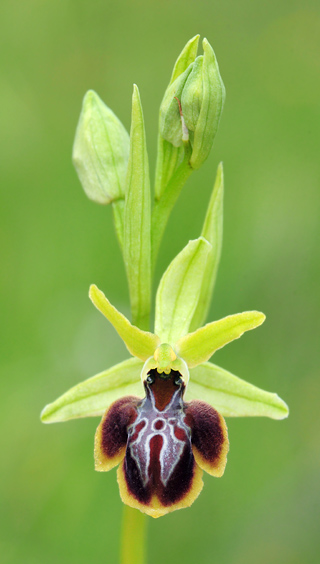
(163, 207)
(118, 219)
(168, 159)
(133, 536)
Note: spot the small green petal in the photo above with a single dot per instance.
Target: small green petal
(212, 231)
(231, 396)
(199, 346)
(179, 291)
(137, 219)
(140, 344)
(92, 397)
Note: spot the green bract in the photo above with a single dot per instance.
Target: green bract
(212, 232)
(137, 242)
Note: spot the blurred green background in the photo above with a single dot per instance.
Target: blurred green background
(54, 507)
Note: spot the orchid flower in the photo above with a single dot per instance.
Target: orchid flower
(160, 442)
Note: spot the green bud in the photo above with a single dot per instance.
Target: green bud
(192, 106)
(100, 151)
(202, 103)
(169, 156)
(171, 124)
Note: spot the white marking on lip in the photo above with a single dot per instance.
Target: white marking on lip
(171, 450)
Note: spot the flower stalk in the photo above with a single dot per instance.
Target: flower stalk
(133, 536)
(164, 206)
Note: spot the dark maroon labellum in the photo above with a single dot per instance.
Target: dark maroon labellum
(159, 456)
(162, 443)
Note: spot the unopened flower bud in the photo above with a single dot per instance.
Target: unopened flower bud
(193, 103)
(202, 103)
(100, 151)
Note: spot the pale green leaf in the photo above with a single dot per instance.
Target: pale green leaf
(231, 396)
(137, 219)
(199, 346)
(92, 397)
(140, 344)
(179, 291)
(212, 231)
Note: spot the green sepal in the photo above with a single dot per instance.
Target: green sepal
(140, 344)
(231, 396)
(93, 396)
(191, 100)
(212, 231)
(179, 290)
(212, 100)
(186, 57)
(100, 151)
(199, 346)
(170, 125)
(137, 219)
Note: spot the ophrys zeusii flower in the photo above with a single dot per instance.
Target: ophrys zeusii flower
(162, 408)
